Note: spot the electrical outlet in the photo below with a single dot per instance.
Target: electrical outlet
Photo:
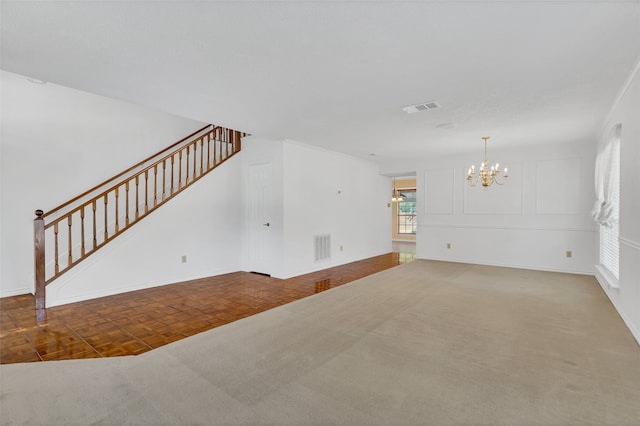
(569, 253)
(184, 259)
(448, 245)
(340, 248)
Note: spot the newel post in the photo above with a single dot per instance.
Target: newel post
(38, 233)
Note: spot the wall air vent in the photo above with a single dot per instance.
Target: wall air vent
(421, 107)
(322, 247)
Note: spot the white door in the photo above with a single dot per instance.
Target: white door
(260, 208)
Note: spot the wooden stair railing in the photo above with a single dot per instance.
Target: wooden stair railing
(71, 232)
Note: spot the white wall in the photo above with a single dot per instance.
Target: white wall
(330, 193)
(200, 223)
(626, 296)
(321, 192)
(56, 143)
(530, 222)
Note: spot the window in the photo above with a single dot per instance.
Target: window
(607, 209)
(407, 223)
(609, 244)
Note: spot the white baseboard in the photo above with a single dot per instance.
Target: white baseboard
(141, 286)
(16, 292)
(515, 266)
(609, 287)
(327, 265)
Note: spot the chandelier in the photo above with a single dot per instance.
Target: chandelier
(396, 197)
(486, 175)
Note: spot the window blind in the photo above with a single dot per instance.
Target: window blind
(609, 242)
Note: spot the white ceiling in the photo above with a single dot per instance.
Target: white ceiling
(335, 74)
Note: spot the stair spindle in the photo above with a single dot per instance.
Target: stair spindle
(95, 237)
(116, 213)
(208, 151)
(55, 233)
(137, 199)
(215, 149)
(201, 156)
(195, 170)
(164, 180)
(146, 191)
(179, 170)
(70, 258)
(187, 164)
(82, 245)
(155, 185)
(106, 222)
(172, 175)
(221, 142)
(126, 189)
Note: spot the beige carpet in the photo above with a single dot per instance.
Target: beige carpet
(424, 343)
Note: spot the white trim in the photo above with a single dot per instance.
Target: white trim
(330, 264)
(605, 287)
(634, 72)
(518, 228)
(513, 266)
(629, 243)
(605, 278)
(16, 292)
(142, 286)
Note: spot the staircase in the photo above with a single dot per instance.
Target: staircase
(71, 232)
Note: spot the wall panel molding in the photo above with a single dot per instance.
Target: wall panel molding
(558, 186)
(523, 228)
(439, 191)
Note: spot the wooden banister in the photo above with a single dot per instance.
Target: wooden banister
(94, 218)
(135, 166)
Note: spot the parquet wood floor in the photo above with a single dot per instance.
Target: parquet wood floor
(136, 322)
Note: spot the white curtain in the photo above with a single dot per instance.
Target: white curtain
(607, 161)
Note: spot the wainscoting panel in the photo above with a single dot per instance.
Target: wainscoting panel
(543, 248)
(558, 186)
(438, 191)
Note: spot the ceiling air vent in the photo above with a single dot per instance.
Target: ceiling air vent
(421, 107)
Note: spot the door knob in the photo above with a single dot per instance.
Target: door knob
(266, 224)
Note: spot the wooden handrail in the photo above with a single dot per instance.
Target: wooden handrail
(91, 223)
(89, 191)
